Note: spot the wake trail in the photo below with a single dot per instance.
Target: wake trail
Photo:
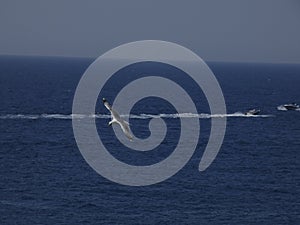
(131, 116)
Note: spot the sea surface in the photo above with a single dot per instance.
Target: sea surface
(44, 179)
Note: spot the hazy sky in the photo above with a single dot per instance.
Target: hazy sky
(224, 30)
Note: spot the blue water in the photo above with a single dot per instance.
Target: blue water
(45, 180)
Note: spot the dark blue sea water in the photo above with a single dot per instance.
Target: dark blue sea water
(45, 180)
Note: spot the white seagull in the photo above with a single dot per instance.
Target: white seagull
(117, 119)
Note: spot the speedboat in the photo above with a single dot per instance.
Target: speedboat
(252, 112)
(292, 106)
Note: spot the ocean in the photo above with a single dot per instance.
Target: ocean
(44, 179)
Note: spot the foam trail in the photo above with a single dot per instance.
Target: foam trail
(52, 116)
(132, 116)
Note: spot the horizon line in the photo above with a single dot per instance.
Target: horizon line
(94, 58)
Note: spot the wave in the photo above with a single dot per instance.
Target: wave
(131, 116)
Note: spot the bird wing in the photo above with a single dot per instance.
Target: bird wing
(107, 105)
(114, 113)
(125, 128)
(116, 118)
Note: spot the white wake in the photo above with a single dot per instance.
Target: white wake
(132, 116)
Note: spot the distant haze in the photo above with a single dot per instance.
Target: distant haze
(231, 30)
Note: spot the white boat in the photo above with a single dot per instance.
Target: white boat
(292, 106)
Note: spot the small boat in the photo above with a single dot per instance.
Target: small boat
(292, 106)
(252, 112)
